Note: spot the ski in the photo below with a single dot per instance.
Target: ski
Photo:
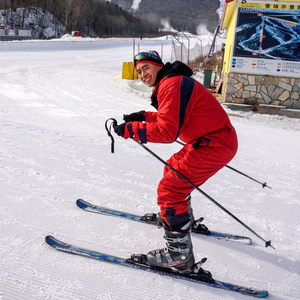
(112, 212)
(65, 247)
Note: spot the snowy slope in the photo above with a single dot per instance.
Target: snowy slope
(55, 97)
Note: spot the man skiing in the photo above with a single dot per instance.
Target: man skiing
(185, 110)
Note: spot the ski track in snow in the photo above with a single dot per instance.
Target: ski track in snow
(55, 97)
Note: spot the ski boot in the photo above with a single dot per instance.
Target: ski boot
(158, 220)
(196, 224)
(177, 257)
(178, 254)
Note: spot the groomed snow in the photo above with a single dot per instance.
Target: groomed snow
(55, 97)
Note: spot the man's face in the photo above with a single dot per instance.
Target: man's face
(147, 72)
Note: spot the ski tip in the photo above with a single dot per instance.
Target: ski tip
(249, 242)
(78, 201)
(55, 243)
(49, 239)
(262, 294)
(81, 203)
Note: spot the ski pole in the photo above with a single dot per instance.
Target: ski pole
(114, 123)
(233, 169)
(267, 243)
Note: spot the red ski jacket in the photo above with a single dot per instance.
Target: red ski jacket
(185, 109)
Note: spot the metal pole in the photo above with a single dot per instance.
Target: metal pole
(233, 169)
(133, 49)
(180, 47)
(201, 45)
(188, 60)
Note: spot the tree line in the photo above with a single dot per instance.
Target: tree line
(92, 17)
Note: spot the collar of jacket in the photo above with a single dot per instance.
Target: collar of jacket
(169, 70)
(174, 69)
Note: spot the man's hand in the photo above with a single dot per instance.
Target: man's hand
(136, 116)
(124, 130)
(120, 129)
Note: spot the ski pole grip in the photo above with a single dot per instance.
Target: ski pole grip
(113, 124)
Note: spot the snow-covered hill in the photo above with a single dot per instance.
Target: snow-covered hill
(55, 97)
(41, 23)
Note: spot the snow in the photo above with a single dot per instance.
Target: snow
(135, 4)
(166, 26)
(55, 98)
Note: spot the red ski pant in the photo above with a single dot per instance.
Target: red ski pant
(197, 165)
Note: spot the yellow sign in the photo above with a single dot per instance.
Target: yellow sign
(128, 71)
(275, 5)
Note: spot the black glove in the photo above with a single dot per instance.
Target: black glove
(120, 129)
(136, 116)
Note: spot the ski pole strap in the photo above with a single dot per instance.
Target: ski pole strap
(113, 124)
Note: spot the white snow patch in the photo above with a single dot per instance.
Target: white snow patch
(135, 4)
(167, 26)
(202, 30)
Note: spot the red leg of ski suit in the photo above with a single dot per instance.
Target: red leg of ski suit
(197, 165)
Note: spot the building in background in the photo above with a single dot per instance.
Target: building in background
(261, 63)
(14, 34)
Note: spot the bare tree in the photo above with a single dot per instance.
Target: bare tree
(4, 6)
(77, 13)
(66, 8)
(89, 13)
(71, 10)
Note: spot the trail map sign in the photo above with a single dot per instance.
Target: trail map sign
(267, 39)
